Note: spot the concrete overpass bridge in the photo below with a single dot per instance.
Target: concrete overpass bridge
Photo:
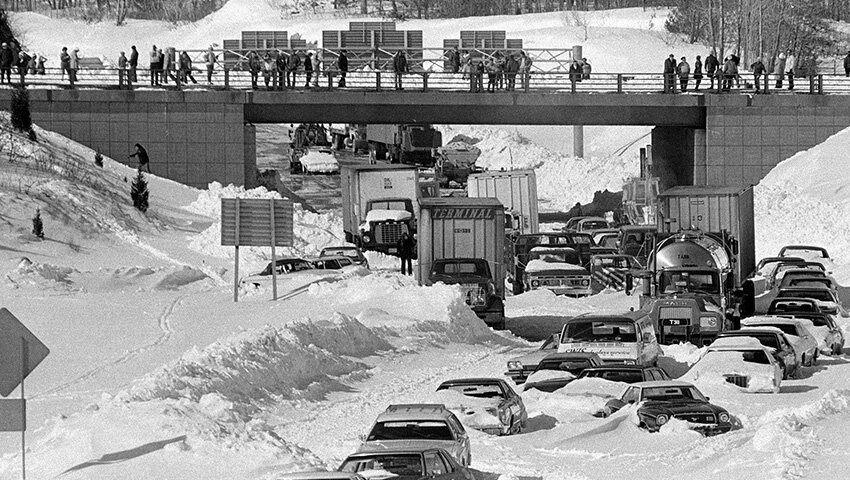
(200, 136)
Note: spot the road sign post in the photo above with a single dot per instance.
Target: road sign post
(256, 222)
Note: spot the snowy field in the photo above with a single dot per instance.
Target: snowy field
(155, 372)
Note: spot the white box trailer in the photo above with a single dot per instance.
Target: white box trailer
(462, 241)
(516, 190)
(391, 192)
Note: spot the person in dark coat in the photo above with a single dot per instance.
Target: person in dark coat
(399, 68)
(65, 64)
(758, 71)
(254, 67)
(292, 64)
(134, 63)
(511, 69)
(308, 68)
(280, 63)
(154, 60)
(670, 74)
(6, 61)
(711, 65)
(342, 63)
(142, 155)
(847, 65)
(186, 68)
(479, 76)
(406, 248)
(575, 72)
(697, 72)
(737, 61)
(23, 64)
(683, 70)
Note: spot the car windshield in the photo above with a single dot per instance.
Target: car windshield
(329, 264)
(572, 365)
(805, 253)
(611, 262)
(343, 252)
(625, 376)
(389, 205)
(287, 267)
(478, 391)
(821, 295)
(411, 430)
(401, 465)
(593, 224)
(567, 255)
(609, 241)
(811, 282)
(766, 339)
(600, 331)
(677, 282)
(748, 356)
(666, 394)
(460, 268)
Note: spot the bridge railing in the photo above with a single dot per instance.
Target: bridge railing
(367, 79)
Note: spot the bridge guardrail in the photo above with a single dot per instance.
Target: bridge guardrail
(381, 80)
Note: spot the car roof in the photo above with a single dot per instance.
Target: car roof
(590, 316)
(370, 449)
(565, 355)
(473, 381)
(324, 475)
(770, 319)
(414, 411)
(745, 331)
(329, 257)
(620, 366)
(662, 383)
(342, 247)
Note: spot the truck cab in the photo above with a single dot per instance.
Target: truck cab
(523, 244)
(386, 220)
(558, 270)
(475, 279)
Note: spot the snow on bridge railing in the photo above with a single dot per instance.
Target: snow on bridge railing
(367, 79)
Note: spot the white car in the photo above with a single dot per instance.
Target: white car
(321, 161)
(741, 361)
(804, 342)
(285, 266)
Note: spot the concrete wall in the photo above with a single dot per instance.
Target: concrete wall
(746, 136)
(192, 137)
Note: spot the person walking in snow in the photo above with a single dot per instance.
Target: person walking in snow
(683, 69)
(142, 155)
(791, 68)
(406, 247)
(847, 65)
(670, 74)
(758, 70)
(342, 64)
(711, 65)
(697, 73)
(779, 69)
(133, 64)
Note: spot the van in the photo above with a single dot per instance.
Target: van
(615, 338)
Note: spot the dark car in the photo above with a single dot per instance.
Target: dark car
(349, 251)
(569, 364)
(476, 282)
(771, 260)
(773, 338)
(658, 402)
(406, 464)
(507, 412)
(626, 373)
(520, 368)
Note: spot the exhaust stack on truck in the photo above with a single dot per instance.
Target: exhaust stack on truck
(462, 242)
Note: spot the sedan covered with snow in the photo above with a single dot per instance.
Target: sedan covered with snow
(805, 344)
(319, 161)
(405, 464)
(349, 251)
(486, 404)
(285, 266)
(558, 369)
(741, 361)
(774, 339)
(658, 402)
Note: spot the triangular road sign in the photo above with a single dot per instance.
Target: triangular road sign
(16, 339)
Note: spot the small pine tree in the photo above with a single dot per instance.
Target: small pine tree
(37, 224)
(139, 192)
(21, 118)
(98, 159)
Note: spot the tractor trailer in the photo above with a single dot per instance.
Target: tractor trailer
(414, 144)
(517, 190)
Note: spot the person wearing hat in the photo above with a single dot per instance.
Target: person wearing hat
(342, 63)
(75, 64)
(684, 72)
(122, 68)
(6, 60)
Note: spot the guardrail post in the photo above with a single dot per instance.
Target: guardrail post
(820, 84)
(378, 80)
(226, 78)
(424, 81)
(619, 83)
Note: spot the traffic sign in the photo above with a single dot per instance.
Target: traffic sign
(13, 415)
(20, 352)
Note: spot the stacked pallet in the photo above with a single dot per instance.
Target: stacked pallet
(259, 41)
(374, 42)
(479, 42)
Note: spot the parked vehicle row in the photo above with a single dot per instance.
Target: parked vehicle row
(330, 259)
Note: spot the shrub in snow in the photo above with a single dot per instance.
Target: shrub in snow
(21, 118)
(139, 192)
(37, 224)
(98, 159)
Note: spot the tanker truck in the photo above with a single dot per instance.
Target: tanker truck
(704, 250)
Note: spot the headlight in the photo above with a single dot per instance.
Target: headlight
(585, 283)
(708, 322)
(723, 417)
(661, 419)
(535, 283)
(367, 238)
(628, 362)
(504, 416)
(514, 365)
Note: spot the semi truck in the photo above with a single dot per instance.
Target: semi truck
(461, 242)
(380, 203)
(414, 144)
(517, 190)
(704, 251)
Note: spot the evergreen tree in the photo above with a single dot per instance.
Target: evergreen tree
(37, 225)
(139, 192)
(98, 159)
(21, 118)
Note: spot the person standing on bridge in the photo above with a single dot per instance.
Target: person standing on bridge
(585, 69)
(453, 56)
(524, 68)
(122, 69)
(791, 67)
(779, 69)
(758, 70)
(185, 64)
(479, 76)
(39, 66)
(6, 63)
(280, 68)
(134, 64)
(75, 64)
(153, 57)
(697, 73)
(308, 69)
(22, 64)
(399, 68)
(730, 71)
(292, 68)
(670, 74)
(317, 69)
(847, 65)
(342, 64)
(64, 64)
(684, 72)
(268, 70)
(511, 69)
(210, 59)
(254, 67)
(711, 65)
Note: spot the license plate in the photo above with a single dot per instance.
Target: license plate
(673, 322)
(393, 250)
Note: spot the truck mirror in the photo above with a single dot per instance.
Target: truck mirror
(629, 283)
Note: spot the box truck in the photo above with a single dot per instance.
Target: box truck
(380, 203)
(461, 242)
(414, 144)
(517, 190)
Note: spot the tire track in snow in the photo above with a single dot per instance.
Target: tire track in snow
(164, 324)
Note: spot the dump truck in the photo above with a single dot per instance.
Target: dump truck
(380, 203)
(414, 144)
(461, 242)
(517, 190)
(703, 253)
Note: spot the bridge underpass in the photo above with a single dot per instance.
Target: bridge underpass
(196, 137)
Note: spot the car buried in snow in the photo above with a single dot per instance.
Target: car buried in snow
(486, 404)
(520, 368)
(829, 335)
(558, 369)
(741, 361)
(625, 373)
(285, 266)
(475, 280)
(419, 427)
(804, 343)
(774, 339)
(825, 298)
(321, 475)
(378, 463)
(349, 251)
(657, 402)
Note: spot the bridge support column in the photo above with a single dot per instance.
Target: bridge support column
(578, 141)
(250, 155)
(673, 158)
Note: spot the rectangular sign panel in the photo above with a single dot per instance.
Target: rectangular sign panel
(13, 415)
(256, 222)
